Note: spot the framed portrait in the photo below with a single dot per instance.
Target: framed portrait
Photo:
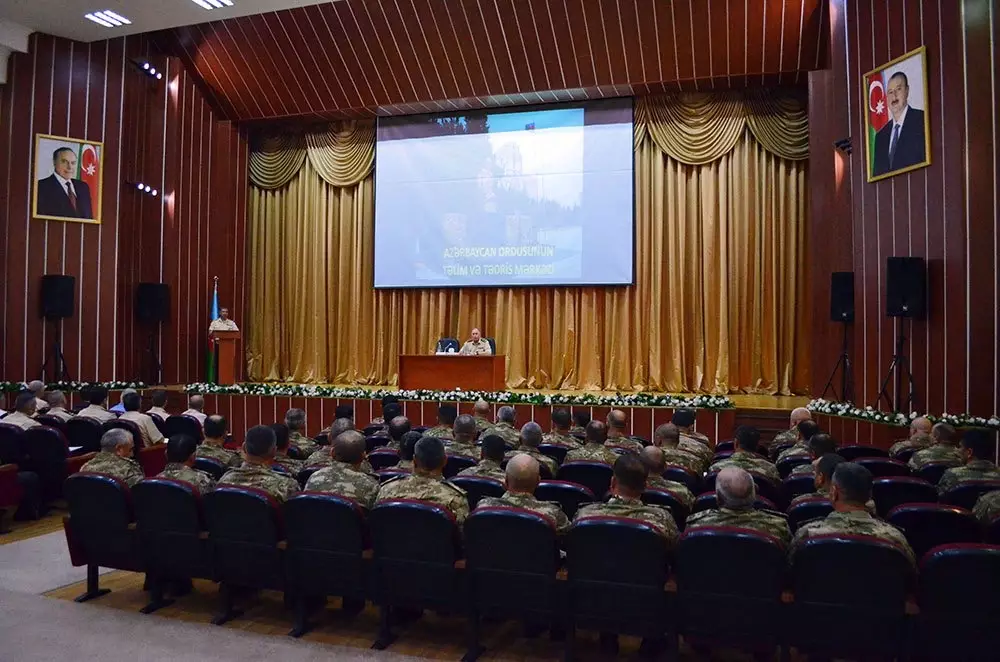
(67, 179)
(897, 124)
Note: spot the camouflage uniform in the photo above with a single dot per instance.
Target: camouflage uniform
(479, 348)
(552, 465)
(124, 468)
(697, 437)
(424, 488)
(680, 490)
(746, 518)
(178, 471)
(280, 487)
(462, 449)
(593, 453)
(293, 466)
(506, 432)
(304, 444)
(974, 470)
(624, 442)
(825, 493)
(441, 432)
(917, 442)
(936, 453)
(576, 429)
(346, 481)
(323, 458)
(697, 449)
(549, 509)
(230, 459)
(562, 440)
(854, 522)
(750, 462)
(482, 424)
(806, 469)
(684, 459)
(485, 469)
(987, 507)
(801, 449)
(789, 436)
(619, 506)
(404, 465)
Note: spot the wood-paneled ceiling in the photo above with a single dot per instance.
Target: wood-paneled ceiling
(359, 58)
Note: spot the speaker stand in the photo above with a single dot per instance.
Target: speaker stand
(846, 375)
(60, 372)
(898, 371)
(157, 367)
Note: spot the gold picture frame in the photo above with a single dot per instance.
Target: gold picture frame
(897, 131)
(68, 179)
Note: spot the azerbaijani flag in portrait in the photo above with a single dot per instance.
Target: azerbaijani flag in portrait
(878, 109)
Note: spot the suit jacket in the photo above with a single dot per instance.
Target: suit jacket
(910, 149)
(53, 201)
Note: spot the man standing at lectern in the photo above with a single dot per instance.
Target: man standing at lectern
(476, 346)
(223, 323)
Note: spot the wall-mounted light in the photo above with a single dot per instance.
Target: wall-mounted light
(142, 187)
(844, 145)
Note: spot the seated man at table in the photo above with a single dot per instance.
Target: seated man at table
(180, 464)
(531, 439)
(115, 458)
(491, 457)
(735, 494)
(24, 412)
(560, 435)
(344, 476)
(463, 441)
(446, 421)
(258, 451)
(976, 447)
(476, 345)
(214, 445)
(97, 396)
(147, 428)
(504, 428)
(522, 477)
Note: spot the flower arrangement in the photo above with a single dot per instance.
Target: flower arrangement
(872, 415)
(460, 395)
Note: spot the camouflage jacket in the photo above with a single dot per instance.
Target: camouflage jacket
(680, 490)
(293, 466)
(807, 469)
(936, 453)
(856, 523)
(697, 449)
(749, 518)
(988, 507)
(697, 438)
(974, 470)
(280, 487)
(800, 449)
(676, 456)
(549, 509)
(462, 449)
(825, 493)
(177, 471)
(124, 468)
(624, 442)
(563, 440)
(228, 458)
(346, 481)
(482, 424)
(304, 444)
(750, 462)
(916, 442)
(441, 432)
(618, 506)
(592, 453)
(552, 465)
(790, 436)
(323, 458)
(506, 432)
(576, 429)
(425, 488)
(485, 469)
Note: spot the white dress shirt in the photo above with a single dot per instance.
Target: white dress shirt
(98, 413)
(20, 420)
(194, 413)
(150, 433)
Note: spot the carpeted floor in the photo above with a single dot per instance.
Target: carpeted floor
(38, 565)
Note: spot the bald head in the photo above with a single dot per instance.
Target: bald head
(349, 447)
(654, 459)
(531, 434)
(523, 474)
(36, 386)
(617, 420)
(920, 425)
(667, 436)
(482, 409)
(465, 428)
(798, 415)
(734, 489)
(944, 433)
(340, 426)
(196, 402)
(597, 432)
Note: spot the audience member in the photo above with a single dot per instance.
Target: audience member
(745, 455)
(976, 448)
(560, 434)
(593, 449)
(147, 428)
(295, 419)
(180, 463)
(115, 458)
(57, 406)
(389, 411)
(685, 419)
(531, 438)
(667, 438)
(920, 437)
(97, 396)
(617, 432)
(522, 477)
(258, 453)
(344, 411)
(484, 415)
(791, 435)
(581, 417)
(37, 389)
(426, 483)
(656, 464)
(195, 405)
(120, 407)
(944, 449)
(735, 495)
(491, 457)
(214, 445)
(825, 467)
(446, 421)
(463, 441)
(504, 428)
(850, 492)
(385, 418)
(322, 455)
(159, 400)
(281, 444)
(819, 445)
(801, 447)
(398, 427)
(344, 476)
(406, 448)
(627, 486)
(987, 507)
(24, 412)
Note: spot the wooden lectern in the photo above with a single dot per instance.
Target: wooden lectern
(225, 353)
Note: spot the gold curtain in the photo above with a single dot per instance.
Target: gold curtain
(720, 271)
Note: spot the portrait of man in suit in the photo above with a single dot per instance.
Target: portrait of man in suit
(897, 125)
(68, 190)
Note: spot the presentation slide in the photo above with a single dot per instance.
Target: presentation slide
(506, 197)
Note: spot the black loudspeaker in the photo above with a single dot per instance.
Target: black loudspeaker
(57, 296)
(842, 296)
(152, 302)
(905, 286)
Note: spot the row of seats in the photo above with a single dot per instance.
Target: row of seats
(841, 595)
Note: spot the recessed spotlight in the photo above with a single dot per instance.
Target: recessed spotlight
(107, 19)
(152, 71)
(154, 192)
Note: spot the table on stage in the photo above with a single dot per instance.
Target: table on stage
(443, 372)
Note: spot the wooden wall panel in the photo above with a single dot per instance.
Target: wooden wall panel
(160, 132)
(945, 213)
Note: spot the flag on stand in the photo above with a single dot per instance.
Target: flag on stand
(210, 362)
(878, 110)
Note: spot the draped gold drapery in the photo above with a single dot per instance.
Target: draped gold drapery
(720, 267)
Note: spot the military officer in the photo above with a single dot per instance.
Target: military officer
(180, 464)
(406, 448)
(483, 414)
(581, 416)
(427, 483)
(463, 441)
(281, 437)
(446, 423)
(24, 412)
(825, 467)
(791, 435)
(987, 507)
(476, 345)
(560, 434)
(222, 322)
(668, 439)
(819, 445)
(321, 456)
(920, 437)
(531, 437)
(801, 447)
(398, 426)
(522, 477)
(617, 436)
(504, 428)
(745, 456)
(656, 464)
(386, 401)
(735, 494)
(593, 449)
(295, 419)
(115, 458)
(975, 448)
(258, 451)
(344, 476)
(684, 419)
(214, 445)
(492, 455)
(944, 449)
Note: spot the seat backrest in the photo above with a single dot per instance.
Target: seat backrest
(932, 471)
(414, 531)
(52, 422)
(680, 474)
(927, 525)
(669, 500)
(882, 466)
(377, 440)
(163, 505)
(708, 501)
(894, 491)
(11, 444)
(596, 545)
(211, 466)
(180, 424)
(722, 455)
(46, 445)
(808, 509)
(493, 344)
(456, 463)
(853, 572)
(477, 487)
(511, 540)
(390, 473)
(446, 344)
(382, 458)
(243, 514)
(132, 428)
(596, 476)
(343, 530)
(557, 453)
(305, 474)
(852, 453)
(372, 429)
(966, 494)
(732, 561)
(723, 446)
(570, 496)
(960, 581)
(100, 515)
(785, 466)
(796, 485)
(905, 454)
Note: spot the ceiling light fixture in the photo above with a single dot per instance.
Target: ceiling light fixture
(108, 19)
(213, 4)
